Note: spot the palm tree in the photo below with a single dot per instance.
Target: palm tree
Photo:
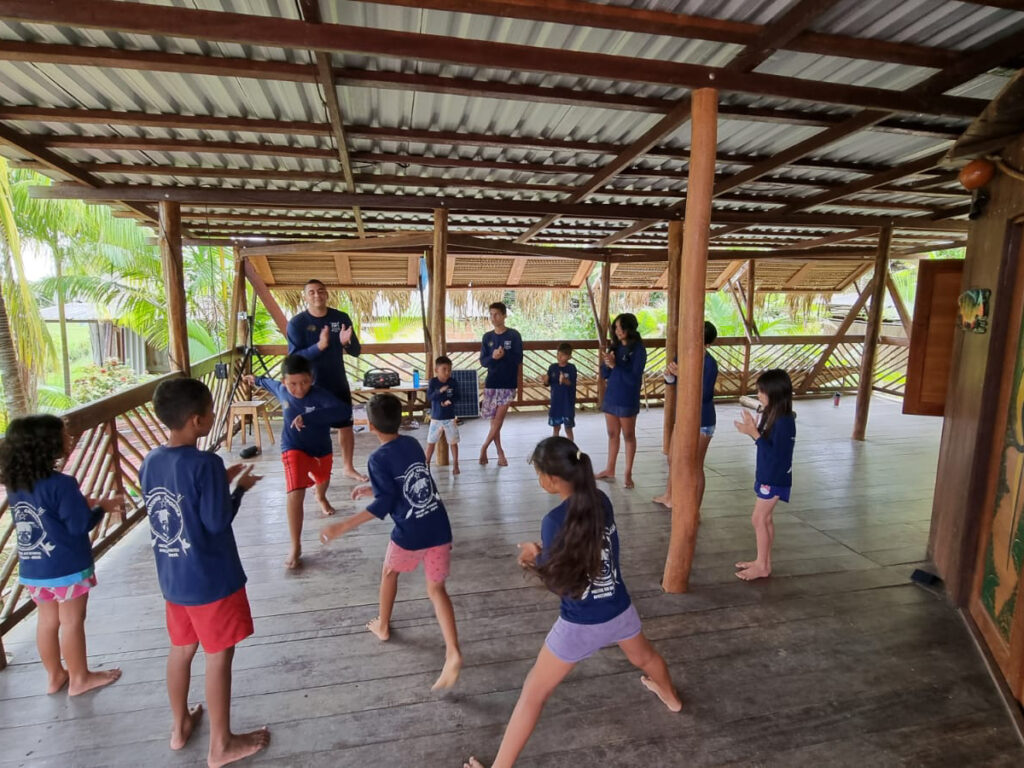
(25, 344)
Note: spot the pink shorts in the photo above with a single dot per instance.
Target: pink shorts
(60, 594)
(437, 561)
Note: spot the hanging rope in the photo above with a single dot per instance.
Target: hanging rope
(1006, 168)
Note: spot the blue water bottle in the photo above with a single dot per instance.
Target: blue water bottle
(416, 379)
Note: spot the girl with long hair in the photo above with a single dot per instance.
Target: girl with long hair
(577, 559)
(774, 435)
(622, 365)
(55, 565)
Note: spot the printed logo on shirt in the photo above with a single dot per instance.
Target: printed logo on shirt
(32, 543)
(418, 489)
(604, 585)
(166, 524)
(508, 343)
(312, 328)
(310, 408)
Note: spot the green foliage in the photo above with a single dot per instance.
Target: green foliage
(96, 381)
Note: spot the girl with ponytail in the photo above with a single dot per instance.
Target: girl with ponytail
(577, 559)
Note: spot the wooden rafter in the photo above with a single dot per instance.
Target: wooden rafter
(799, 275)
(263, 291)
(727, 273)
(247, 29)
(343, 264)
(581, 273)
(515, 273)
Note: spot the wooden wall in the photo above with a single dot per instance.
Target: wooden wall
(966, 448)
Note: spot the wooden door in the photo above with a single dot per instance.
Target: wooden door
(931, 337)
(997, 594)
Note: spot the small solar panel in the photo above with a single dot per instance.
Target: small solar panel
(467, 389)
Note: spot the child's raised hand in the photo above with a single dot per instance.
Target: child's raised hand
(345, 334)
(248, 480)
(746, 424)
(112, 504)
(325, 338)
(249, 379)
(609, 359)
(528, 553)
(235, 470)
(298, 423)
(362, 492)
(673, 368)
(446, 403)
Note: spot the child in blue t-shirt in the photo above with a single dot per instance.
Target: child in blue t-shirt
(561, 377)
(306, 450)
(775, 436)
(578, 559)
(441, 393)
(52, 520)
(191, 509)
(402, 488)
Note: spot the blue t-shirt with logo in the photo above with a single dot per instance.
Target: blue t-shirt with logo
(52, 524)
(319, 409)
(563, 396)
(502, 373)
(626, 379)
(328, 364)
(436, 397)
(190, 513)
(707, 394)
(606, 597)
(404, 489)
(775, 454)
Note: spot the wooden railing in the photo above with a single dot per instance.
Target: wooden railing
(110, 438)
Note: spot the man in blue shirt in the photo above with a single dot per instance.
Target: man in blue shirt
(324, 335)
(501, 353)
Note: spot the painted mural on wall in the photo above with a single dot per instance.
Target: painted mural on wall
(1004, 550)
(974, 306)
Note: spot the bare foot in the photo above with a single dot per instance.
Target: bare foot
(604, 474)
(743, 564)
(502, 461)
(670, 699)
(55, 684)
(455, 469)
(294, 559)
(449, 673)
(665, 500)
(629, 482)
(352, 474)
(180, 738)
(483, 459)
(473, 763)
(325, 506)
(382, 634)
(240, 745)
(94, 680)
(755, 571)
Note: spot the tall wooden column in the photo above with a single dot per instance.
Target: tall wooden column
(237, 303)
(683, 462)
(675, 265)
(174, 286)
(438, 302)
(603, 323)
(871, 334)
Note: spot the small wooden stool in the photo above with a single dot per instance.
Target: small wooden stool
(254, 409)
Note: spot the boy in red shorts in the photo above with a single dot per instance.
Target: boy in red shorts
(306, 450)
(190, 514)
(402, 487)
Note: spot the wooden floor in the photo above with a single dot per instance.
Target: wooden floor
(837, 660)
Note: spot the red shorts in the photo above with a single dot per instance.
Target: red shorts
(218, 625)
(299, 466)
(437, 561)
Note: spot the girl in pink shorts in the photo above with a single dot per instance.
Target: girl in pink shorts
(52, 520)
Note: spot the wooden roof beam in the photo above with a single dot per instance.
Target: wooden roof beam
(249, 29)
(515, 273)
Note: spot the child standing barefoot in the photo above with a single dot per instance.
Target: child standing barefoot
(402, 487)
(623, 366)
(561, 378)
(55, 565)
(578, 541)
(190, 514)
(441, 394)
(774, 436)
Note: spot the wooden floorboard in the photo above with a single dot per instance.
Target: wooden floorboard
(836, 660)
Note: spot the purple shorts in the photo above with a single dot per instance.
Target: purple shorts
(771, 491)
(573, 643)
(493, 399)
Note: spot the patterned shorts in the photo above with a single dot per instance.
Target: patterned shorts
(60, 594)
(451, 431)
(437, 561)
(493, 399)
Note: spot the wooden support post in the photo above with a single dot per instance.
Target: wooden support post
(237, 301)
(683, 461)
(901, 309)
(841, 331)
(438, 300)
(174, 286)
(603, 324)
(874, 329)
(751, 292)
(262, 290)
(675, 265)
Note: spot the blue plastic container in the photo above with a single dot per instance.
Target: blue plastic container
(415, 379)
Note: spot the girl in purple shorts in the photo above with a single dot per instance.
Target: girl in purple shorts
(578, 539)
(52, 520)
(774, 435)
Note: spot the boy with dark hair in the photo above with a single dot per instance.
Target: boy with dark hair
(306, 451)
(441, 394)
(190, 513)
(402, 487)
(501, 353)
(561, 377)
